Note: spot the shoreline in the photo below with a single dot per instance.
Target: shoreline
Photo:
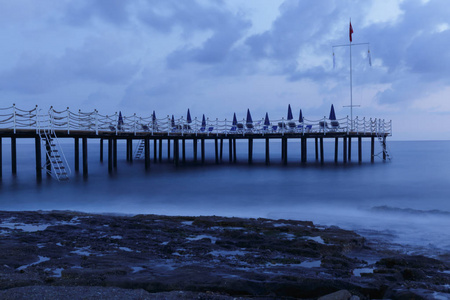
(222, 256)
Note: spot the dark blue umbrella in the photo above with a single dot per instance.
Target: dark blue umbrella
(173, 121)
(120, 122)
(332, 114)
(203, 121)
(154, 117)
(188, 118)
(249, 117)
(266, 120)
(234, 119)
(300, 118)
(289, 115)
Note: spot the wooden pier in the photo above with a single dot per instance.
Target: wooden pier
(152, 134)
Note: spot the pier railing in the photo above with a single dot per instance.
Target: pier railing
(38, 118)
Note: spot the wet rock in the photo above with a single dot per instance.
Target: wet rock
(339, 295)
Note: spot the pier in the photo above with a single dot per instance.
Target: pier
(150, 133)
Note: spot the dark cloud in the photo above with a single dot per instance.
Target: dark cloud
(82, 12)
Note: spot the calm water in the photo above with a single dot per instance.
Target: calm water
(414, 188)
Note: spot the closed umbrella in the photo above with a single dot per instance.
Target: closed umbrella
(203, 121)
(300, 118)
(332, 114)
(289, 114)
(234, 119)
(249, 117)
(188, 118)
(266, 120)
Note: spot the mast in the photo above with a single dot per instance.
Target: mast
(351, 70)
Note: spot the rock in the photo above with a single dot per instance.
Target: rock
(339, 295)
(354, 298)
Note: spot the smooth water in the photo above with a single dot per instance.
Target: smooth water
(403, 201)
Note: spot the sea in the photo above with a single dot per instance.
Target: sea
(404, 201)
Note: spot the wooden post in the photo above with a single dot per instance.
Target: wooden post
(128, 150)
(250, 150)
(203, 149)
(234, 150)
(349, 148)
(384, 147)
(282, 149)
(216, 148)
(160, 150)
(110, 155)
(168, 149)
(37, 146)
(155, 151)
(176, 151)
(195, 144)
(372, 149)
(85, 157)
(230, 149)
(77, 154)
(101, 150)
(345, 150)
(321, 149)
(267, 151)
(359, 149)
(221, 149)
(13, 155)
(147, 153)
(183, 146)
(115, 153)
(317, 147)
(285, 158)
(303, 143)
(336, 149)
(1, 161)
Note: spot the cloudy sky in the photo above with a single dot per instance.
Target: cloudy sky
(223, 56)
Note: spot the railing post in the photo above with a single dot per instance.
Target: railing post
(134, 121)
(14, 117)
(96, 121)
(51, 117)
(37, 120)
(117, 123)
(347, 124)
(324, 124)
(357, 125)
(217, 126)
(364, 122)
(68, 120)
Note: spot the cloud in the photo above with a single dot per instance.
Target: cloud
(83, 12)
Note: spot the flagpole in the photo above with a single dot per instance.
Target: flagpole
(351, 85)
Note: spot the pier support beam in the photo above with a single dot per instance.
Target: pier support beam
(234, 150)
(48, 166)
(285, 150)
(216, 148)
(155, 151)
(85, 157)
(77, 154)
(267, 151)
(110, 155)
(37, 147)
(344, 152)
(1, 161)
(384, 147)
(202, 140)
(304, 154)
(336, 149)
(101, 150)
(321, 149)
(168, 149)
(230, 149)
(147, 153)
(359, 149)
(349, 148)
(250, 150)
(195, 146)
(372, 149)
(115, 153)
(160, 150)
(129, 150)
(183, 150)
(221, 149)
(316, 140)
(176, 151)
(13, 156)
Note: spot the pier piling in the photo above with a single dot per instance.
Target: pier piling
(76, 153)
(37, 149)
(85, 157)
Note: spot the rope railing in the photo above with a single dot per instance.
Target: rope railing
(37, 118)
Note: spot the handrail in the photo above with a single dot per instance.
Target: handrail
(67, 120)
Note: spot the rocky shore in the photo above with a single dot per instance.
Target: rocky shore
(72, 255)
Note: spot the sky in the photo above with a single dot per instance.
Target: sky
(217, 57)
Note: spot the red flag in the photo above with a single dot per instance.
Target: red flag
(350, 31)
